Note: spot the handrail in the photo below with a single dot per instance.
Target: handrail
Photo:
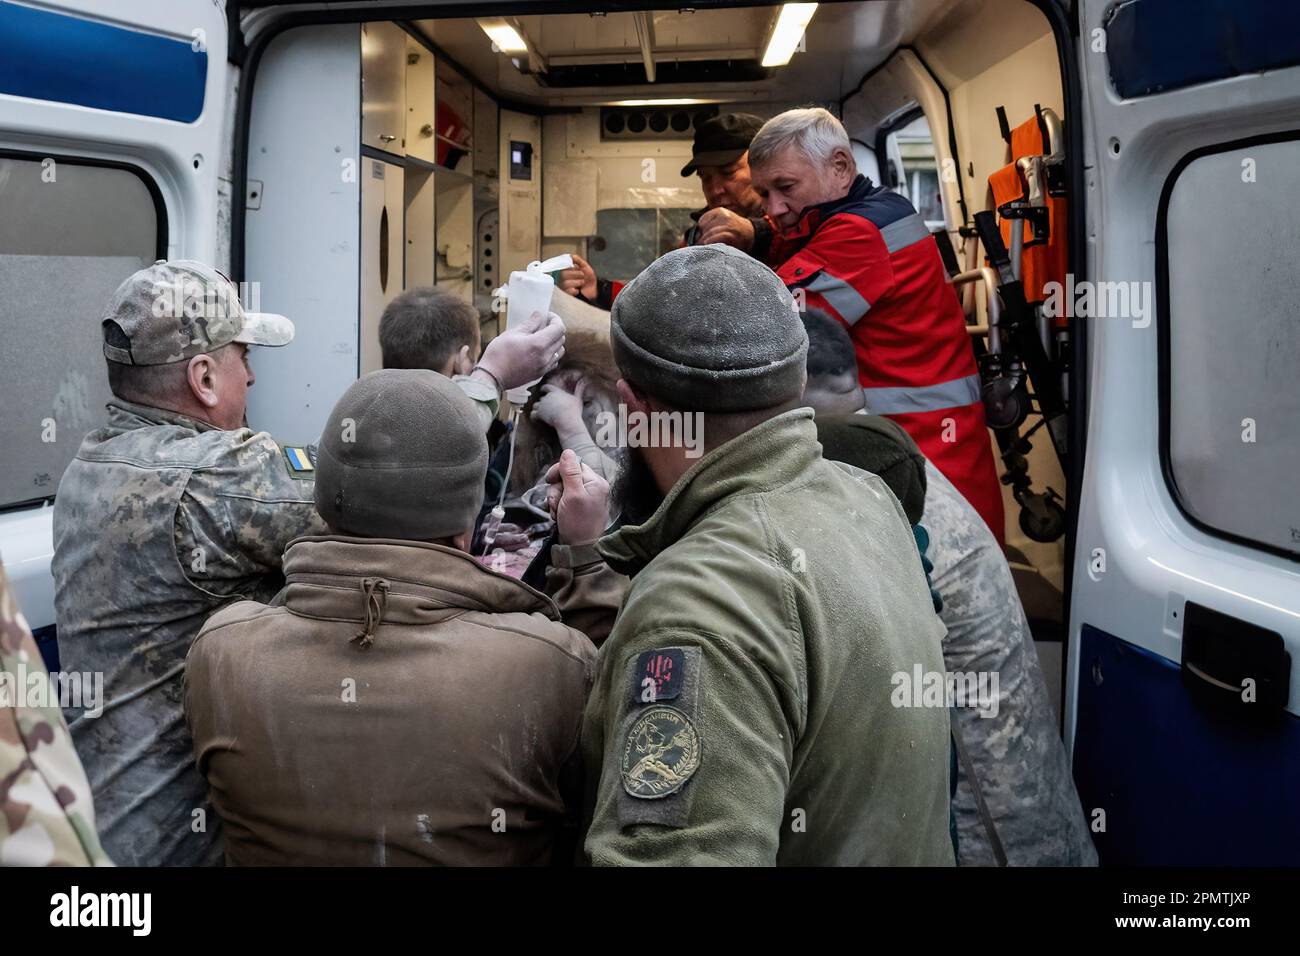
(993, 304)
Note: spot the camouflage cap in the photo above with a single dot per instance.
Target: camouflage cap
(176, 309)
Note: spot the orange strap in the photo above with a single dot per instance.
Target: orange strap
(1041, 262)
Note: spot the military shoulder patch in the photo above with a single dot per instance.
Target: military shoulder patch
(301, 460)
(661, 752)
(658, 675)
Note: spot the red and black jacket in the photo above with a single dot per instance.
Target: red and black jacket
(869, 260)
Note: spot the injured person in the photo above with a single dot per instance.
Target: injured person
(566, 411)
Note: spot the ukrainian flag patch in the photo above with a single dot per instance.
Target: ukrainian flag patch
(300, 460)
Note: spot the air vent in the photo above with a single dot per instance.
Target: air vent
(652, 122)
(697, 73)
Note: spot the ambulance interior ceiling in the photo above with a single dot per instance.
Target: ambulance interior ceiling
(585, 59)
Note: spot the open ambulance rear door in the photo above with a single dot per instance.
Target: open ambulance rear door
(1183, 693)
(111, 153)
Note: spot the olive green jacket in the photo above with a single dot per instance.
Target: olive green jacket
(743, 709)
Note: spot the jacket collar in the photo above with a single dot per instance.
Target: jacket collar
(813, 216)
(774, 454)
(126, 415)
(328, 576)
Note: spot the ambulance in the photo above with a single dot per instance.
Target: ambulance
(1114, 184)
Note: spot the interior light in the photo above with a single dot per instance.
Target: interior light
(790, 25)
(665, 102)
(505, 37)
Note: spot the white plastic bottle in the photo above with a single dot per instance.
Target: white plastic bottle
(530, 291)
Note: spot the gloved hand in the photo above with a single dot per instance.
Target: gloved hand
(525, 353)
(562, 410)
(578, 498)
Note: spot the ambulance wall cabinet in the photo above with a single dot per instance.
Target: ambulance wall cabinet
(382, 253)
(420, 187)
(419, 101)
(383, 87)
(486, 159)
(455, 121)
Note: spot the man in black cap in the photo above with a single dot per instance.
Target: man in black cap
(734, 214)
(742, 710)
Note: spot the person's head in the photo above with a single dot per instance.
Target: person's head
(402, 456)
(719, 156)
(587, 363)
(712, 335)
(798, 159)
(832, 387)
(428, 327)
(177, 338)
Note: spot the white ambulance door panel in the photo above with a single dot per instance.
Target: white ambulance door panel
(110, 156)
(1182, 693)
(382, 204)
(303, 222)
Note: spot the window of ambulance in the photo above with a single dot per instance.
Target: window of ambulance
(628, 240)
(70, 231)
(1228, 289)
(914, 169)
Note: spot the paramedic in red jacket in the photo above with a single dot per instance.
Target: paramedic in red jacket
(863, 253)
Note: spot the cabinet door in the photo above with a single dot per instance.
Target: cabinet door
(420, 188)
(383, 87)
(382, 204)
(419, 101)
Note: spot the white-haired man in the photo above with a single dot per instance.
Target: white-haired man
(863, 253)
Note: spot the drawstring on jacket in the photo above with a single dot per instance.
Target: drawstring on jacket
(374, 609)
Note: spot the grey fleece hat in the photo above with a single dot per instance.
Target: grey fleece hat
(402, 456)
(707, 328)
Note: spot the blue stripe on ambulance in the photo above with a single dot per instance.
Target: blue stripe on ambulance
(65, 59)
